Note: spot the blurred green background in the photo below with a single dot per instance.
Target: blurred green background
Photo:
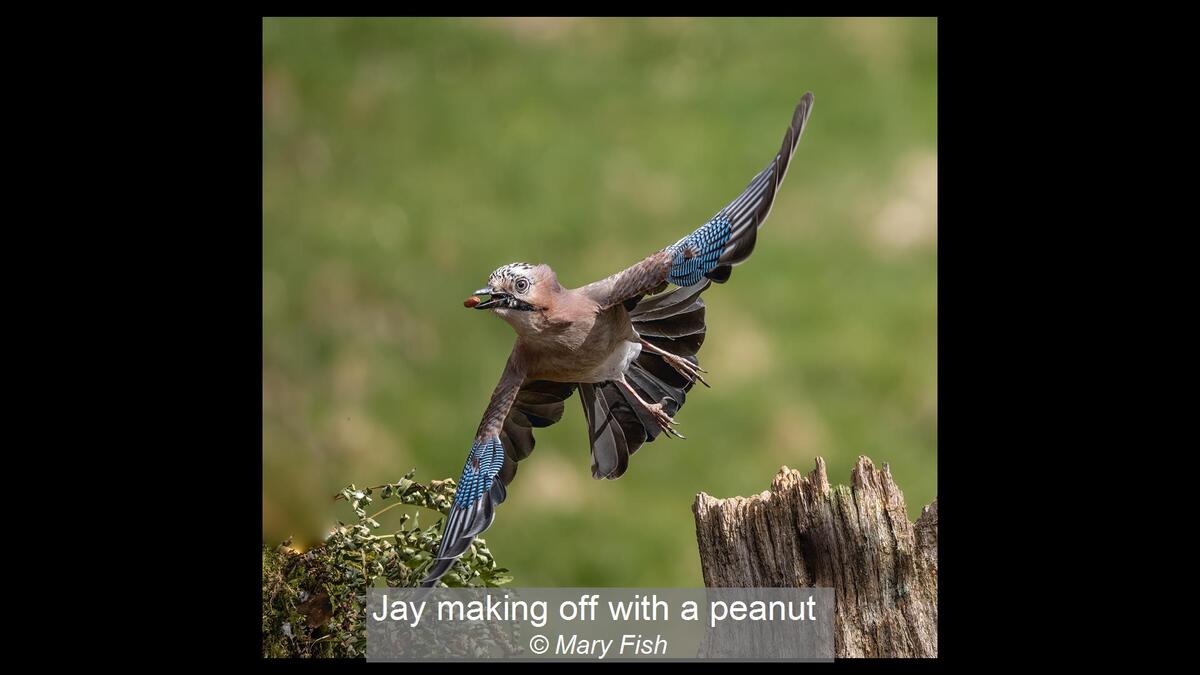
(404, 160)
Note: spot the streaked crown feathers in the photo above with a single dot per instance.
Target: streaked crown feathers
(511, 272)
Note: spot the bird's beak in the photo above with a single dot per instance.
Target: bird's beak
(495, 299)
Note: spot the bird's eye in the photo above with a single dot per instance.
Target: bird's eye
(522, 285)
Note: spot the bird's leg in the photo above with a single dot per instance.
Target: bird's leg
(686, 368)
(656, 409)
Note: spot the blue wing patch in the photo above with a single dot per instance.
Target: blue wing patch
(474, 508)
(697, 254)
(483, 464)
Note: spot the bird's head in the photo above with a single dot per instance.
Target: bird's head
(516, 289)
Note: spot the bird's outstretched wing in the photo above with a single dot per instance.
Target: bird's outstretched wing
(505, 436)
(713, 249)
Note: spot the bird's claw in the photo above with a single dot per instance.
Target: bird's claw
(688, 369)
(665, 421)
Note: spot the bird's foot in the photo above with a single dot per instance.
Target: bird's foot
(686, 368)
(665, 421)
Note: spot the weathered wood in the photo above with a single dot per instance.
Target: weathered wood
(856, 539)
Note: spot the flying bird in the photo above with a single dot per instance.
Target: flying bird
(628, 347)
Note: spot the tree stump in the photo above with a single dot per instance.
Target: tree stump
(857, 539)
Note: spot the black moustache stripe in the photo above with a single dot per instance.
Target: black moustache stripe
(513, 303)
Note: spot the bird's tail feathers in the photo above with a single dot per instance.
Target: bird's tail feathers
(617, 424)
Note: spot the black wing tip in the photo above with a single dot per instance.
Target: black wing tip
(436, 572)
(800, 117)
(463, 526)
(804, 107)
(799, 120)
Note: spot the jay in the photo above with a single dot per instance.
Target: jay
(628, 347)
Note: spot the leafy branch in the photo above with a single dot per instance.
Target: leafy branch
(314, 603)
